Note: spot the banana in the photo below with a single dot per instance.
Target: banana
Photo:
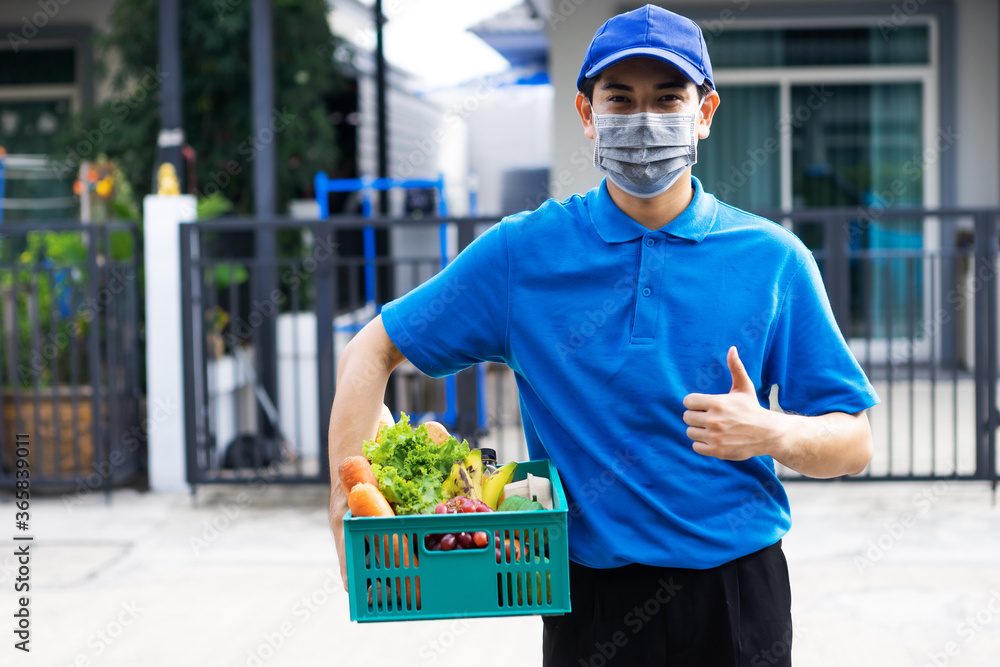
(466, 478)
(493, 485)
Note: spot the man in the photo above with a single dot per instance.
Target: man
(646, 323)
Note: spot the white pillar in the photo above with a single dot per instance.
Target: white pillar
(163, 216)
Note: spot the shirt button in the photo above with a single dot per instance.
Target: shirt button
(646, 291)
(650, 243)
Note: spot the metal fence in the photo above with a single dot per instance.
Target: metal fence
(262, 338)
(921, 318)
(70, 354)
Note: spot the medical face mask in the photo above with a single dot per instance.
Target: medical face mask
(645, 153)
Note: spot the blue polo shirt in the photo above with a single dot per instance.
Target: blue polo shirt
(607, 327)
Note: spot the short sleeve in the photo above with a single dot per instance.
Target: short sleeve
(458, 317)
(808, 358)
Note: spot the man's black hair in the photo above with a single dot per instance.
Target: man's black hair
(587, 88)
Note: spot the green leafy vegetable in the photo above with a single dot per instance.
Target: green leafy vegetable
(410, 467)
(519, 504)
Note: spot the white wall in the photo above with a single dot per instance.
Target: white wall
(512, 129)
(977, 23)
(570, 29)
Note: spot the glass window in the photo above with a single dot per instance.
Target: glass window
(27, 128)
(35, 66)
(811, 47)
(740, 162)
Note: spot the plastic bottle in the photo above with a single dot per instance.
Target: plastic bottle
(489, 460)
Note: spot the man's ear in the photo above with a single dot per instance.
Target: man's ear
(586, 112)
(707, 111)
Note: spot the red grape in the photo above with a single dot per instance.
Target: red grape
(468, 507)
(465, 540)
(480, 538)
(448, 542)
(441, 509)
(431, 542)
(499, 555)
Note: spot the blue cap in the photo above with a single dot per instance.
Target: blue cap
(650, 32)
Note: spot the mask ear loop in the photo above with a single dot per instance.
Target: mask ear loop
(597, 141)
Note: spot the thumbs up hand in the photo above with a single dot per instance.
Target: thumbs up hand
(731, 426)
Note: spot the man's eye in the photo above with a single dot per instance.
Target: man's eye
(617, 98)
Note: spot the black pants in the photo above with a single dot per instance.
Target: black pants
(734, 615)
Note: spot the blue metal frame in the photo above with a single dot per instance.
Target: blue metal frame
(366, 186)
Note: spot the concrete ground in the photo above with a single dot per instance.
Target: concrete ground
(883, 575)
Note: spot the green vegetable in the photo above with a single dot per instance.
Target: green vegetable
(410, 467)
(519, 504)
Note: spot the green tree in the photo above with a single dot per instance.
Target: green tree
(216, 82)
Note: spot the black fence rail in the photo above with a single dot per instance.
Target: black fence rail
(262, 338)
(913, 291)
(915, 294)
(70, 358)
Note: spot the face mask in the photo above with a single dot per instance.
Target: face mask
(645, 153)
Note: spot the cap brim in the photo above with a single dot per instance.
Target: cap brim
(669, 57)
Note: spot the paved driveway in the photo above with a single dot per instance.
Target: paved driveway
(883, 575)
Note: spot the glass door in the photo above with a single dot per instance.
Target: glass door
(862, 149)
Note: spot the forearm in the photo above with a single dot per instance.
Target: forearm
(827, 445)
(362, 375)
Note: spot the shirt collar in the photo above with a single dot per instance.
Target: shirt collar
(614, 226)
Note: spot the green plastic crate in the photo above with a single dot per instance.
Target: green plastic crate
(393, 577)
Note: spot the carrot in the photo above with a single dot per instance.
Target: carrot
(366, 500)
(356, 470)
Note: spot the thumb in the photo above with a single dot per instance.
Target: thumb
(741, 380)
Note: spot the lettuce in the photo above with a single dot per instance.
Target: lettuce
(519, 504)
(410, 467)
